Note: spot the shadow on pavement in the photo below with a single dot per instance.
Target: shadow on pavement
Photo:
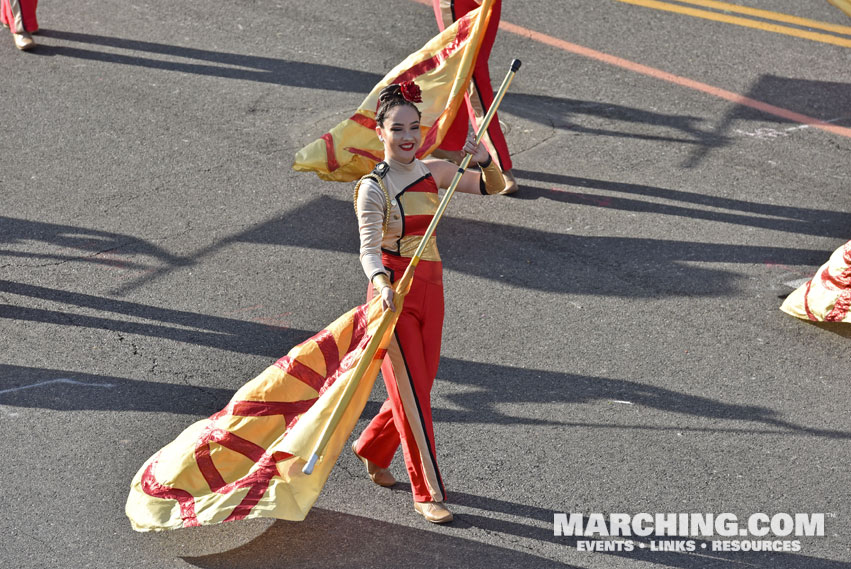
(561, 114)
(823, 100)
(533, 258)
(82, 244)
(529, 258)
(224, 333)
(261, 69)
(332, 539)
(839, 328)
(62, 390)
(495, 385)
(798, 220)
(701, 559)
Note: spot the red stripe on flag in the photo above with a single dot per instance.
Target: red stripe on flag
(364, 153)
(364, 121)
(359, 326)
(430, 138)
(268, 408)
(230, 441)
(248, 449)
(840, 309)
(328, 346)
(810, 315)
(330, 155)
(300, 371)
(151, 487)
(461, 37)
(303, 373)
(208, 469)
(259, 484)
(255, 494)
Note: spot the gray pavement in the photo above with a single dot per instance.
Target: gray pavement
(612, 343)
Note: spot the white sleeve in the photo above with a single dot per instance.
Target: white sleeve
(372, 206)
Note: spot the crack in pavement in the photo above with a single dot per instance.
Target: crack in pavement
(70, 259)
(553, 134)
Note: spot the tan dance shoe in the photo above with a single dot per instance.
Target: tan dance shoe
(381, 476)
(435, 512)
(24, 41)
(510, 183)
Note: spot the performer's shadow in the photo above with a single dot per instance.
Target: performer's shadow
(331, 539)
(838, 328)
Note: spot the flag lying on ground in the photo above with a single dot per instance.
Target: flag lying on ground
(245, 461)
(844, 5)
(442, 69)
(827, 296)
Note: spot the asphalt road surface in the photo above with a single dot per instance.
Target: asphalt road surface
(612, 344)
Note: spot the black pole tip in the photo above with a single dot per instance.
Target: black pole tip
(515, 65)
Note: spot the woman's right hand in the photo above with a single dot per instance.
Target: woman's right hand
(388, 298)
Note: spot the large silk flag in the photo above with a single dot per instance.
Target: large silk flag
(245, 461)
(442, 69)
(827, 296)
(844, 5)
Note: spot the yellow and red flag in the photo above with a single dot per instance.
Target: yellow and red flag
(442, 69)
(245, 461)
(827, 296)
(844, 5)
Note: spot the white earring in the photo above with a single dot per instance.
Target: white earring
(380, 139)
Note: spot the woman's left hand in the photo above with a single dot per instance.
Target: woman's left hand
(479, 152)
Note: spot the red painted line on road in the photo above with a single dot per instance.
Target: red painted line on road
(669, 77)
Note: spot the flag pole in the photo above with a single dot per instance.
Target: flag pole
(483, 127)
(403, 285)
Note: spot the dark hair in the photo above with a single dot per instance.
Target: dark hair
(389, 98)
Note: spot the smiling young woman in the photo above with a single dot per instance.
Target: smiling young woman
(394, 207)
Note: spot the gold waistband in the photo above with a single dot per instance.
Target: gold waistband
(409, 243)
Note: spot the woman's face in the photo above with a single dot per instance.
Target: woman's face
(401, 133)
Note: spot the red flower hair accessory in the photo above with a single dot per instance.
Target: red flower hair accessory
(411, 91)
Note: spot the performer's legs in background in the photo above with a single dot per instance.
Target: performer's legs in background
(480, 94)
(20, 17)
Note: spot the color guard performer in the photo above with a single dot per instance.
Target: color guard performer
(394, 206)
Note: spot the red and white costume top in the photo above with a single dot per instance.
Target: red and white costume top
(413, 201)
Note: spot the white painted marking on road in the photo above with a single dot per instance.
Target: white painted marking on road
(769, 133)
(7, 413)
(621, 402)
(803, 126)
(797, 282)
(761, 133)
(60, 380)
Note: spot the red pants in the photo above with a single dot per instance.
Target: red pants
(409, 370)
(480, 94)
(19, 15)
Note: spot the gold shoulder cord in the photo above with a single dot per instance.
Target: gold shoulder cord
(386, 198)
